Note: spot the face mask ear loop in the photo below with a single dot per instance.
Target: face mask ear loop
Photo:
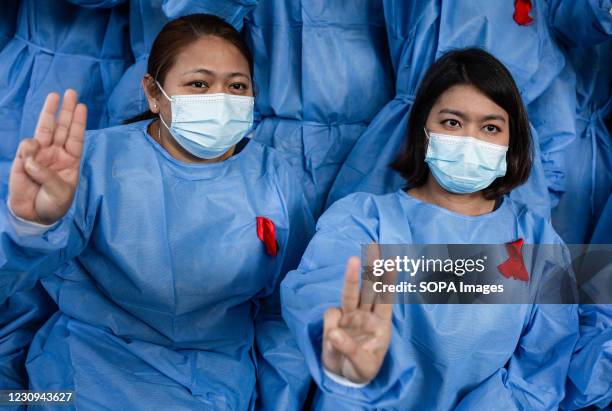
(163, 122)
(162, 90)
(165, 95)
(159, 135)
(427, 136)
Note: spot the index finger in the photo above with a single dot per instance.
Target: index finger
(367, 294)
(350, 291)
(46, 120)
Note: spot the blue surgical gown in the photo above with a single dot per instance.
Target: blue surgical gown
(8, 21)
(147, 17)
(59, 45)
(24, 307)
(127, 98)
(23, 313)
(589, 379)
(584, 215)
(590, 156)
(441, 357)
(322, 72)
(167, 297)
(20, 318)
(581, 23)
(603, 230)
(421, 31)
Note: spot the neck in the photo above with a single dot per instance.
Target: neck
(473, 204)
(163, 137)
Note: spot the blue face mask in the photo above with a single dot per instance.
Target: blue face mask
(208, 125)
(464, 165)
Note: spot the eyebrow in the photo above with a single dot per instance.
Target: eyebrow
(237, 74)
(200, 70)
(464, 116)
(212, 73)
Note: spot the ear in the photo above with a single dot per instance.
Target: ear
(150, 89)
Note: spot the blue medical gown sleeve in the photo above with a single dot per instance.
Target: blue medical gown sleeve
(232, 11)
(21, 257)
(20, 318)
(24, 257)
(535, 375)
(317, 284)
(283, 379)
(589, 381)
(581, 23)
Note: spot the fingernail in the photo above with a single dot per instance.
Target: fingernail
(31, 164)
(328, 346)
(335, 336)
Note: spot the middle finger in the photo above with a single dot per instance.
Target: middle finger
(65, 118)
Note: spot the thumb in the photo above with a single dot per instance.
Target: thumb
(364, 365)
(330, 356)
(52, 184)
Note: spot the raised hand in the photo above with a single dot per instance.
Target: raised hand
(356, 337)
(45, 171)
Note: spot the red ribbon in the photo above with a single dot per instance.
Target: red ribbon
(514, 266)
(267, 234)
(521, 12)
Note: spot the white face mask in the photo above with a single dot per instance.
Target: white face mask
(464, 164)
(208, 125)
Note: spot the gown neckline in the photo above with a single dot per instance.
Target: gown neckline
(503, 202)
(194, 166)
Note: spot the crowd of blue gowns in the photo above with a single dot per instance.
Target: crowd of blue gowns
(105, 291)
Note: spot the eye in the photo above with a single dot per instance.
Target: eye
(451, 122)
(199, 84)
(491, 129)
(238, 86)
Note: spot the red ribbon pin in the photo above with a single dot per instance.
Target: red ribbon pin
(267, 234)
(514, 266)
(521, 12)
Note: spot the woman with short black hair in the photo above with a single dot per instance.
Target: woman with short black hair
(474, 69)
(468, 146)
